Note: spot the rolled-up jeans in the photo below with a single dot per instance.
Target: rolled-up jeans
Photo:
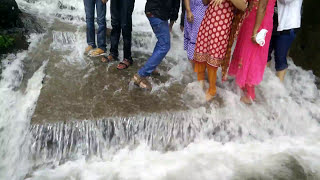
(281, 43)
(90, 6)
(162, 32)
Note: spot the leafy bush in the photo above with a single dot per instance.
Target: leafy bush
(6, 41)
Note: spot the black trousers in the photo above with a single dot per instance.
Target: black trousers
(121, 21)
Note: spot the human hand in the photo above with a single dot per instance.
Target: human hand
(104, 1)
(217, 2)
(253, 38)
(225, 77)
(182, 28)
(190, 17)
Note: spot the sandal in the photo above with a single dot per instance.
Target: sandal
(108, 59)
(155, 73)
(124, 64)
(142, 82)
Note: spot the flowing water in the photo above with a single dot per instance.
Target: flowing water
(67, 116)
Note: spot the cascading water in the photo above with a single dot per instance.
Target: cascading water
(66, 116)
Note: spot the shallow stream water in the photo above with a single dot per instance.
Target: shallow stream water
(64, 115)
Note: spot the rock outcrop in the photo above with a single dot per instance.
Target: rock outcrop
(305, 50)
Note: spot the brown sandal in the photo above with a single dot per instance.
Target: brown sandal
(124, 64)
(142, 82)
(108, 59)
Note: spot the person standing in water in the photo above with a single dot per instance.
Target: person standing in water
(212, 40)
(90, 6)
(158, 13)
(195, 10)
(286, 22)
(249, 58)
(121, 21)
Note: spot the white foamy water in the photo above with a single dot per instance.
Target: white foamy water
(16, 110)
(276, 138)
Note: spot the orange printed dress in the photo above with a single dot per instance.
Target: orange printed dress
(214, 32)
(212, 42)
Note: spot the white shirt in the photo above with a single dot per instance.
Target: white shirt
(289, 14)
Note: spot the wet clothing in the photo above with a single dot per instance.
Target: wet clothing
(161, 30)
(284, 33)
(90, 6)
(191, 29)
(214, 32)
(280, 43)
(249, 59)
(158, 13)
(163, 9)
(121, 21)
(200, 69)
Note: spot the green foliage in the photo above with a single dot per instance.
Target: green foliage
(6, 41)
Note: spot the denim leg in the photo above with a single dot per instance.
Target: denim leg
(161, 30)
(126, 26)
(282, 46)
(115, 7)
(89, 6)
(101, 20)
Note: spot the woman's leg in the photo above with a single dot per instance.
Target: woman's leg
(200, 69)
(212, 76)
(282, 46)
(249, 91)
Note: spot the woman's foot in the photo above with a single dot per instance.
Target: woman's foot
(209, 97)
(281, 74)
(246, 100)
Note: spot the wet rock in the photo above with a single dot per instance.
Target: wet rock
(9, 14)
(305, 50)
(14, 27)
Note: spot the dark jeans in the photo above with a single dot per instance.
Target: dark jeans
(121, 20)
(281, 43)
(89, 6)
(161, 30)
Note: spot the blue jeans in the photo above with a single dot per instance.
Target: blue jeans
(89, 6)
(281, 43)
(161, 30)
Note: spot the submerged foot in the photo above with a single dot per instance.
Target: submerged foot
(246, 100)
(142, 82)
(88, 49)
(209, 97)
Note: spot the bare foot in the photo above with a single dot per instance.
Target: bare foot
(246, 100)
(209, 97)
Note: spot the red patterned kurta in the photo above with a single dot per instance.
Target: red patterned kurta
(214, 32)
